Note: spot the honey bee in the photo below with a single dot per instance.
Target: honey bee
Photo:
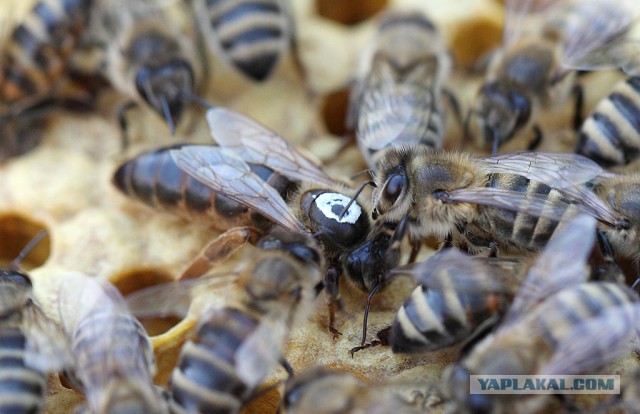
(397, 100)
(113, 358)
(34, 56)
(154, 179)
(559, 324)
(535, 66)
(252, 36)
(319, 207)
(31, 345)
(237, 345)
(147, 58)
(510, 202)
(321, 390)
(21, 132)
(610, 135)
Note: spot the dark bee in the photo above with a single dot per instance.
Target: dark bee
(542, 46)
(558, 324)
(113, 358)
(251, 36)
(397, 100)
(611, 134)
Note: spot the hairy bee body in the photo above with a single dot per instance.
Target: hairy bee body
(420, 182)
(611, 133)
(113, 357)
(398, 99)
(235, 347)
(154, 179)
(35, 55)
(252, 35)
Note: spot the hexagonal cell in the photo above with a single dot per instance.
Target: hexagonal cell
(16, 232)
(349, 12)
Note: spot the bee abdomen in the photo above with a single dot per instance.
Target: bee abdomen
(250, 32)
(611, 134)
(37, 51)
(205, 379)
(154, 179)
(22, 389)
(433, 319)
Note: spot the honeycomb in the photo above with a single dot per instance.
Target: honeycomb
(64, 185)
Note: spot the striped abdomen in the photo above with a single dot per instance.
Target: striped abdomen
(154, 179)
(431, 319)
(37, 50)
(611, 134)
(114, 362)
(252, 34)
(517, 229)
(205, 379)
(22, 389)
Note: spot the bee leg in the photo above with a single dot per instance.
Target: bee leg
(218, 250)
(332, 284)
(537, 138)
(493, 249)
(448, 242)
(384, 339)
(122, 121)
(578, 93)
(416, 245)
(287, 366)
(455, 106)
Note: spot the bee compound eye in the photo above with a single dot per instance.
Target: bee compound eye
(393, 187)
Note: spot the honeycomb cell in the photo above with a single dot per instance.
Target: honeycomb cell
(351, 12)
(16, 232)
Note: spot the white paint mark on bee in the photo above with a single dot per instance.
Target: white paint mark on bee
(332, 204)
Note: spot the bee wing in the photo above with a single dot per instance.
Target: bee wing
(389, 109)
(258, 144)
(518, 14)
(592, 204)
(173, 298)
(561, 264)
(556, 170)
(47, 347)
(223, 171)
(535, 205)
(261, 352)
(452, 269)
(595, 34)
(595, 342)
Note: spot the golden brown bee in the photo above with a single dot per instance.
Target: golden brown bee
(251, 36)
(397, 100)
(113, 358)
(512, 201)
(542, 46)
(611, 134)
(34, 56)
(148, 58)
(237, 345)
(321, 390)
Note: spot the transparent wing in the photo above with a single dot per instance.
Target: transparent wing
(47, 347)
(557, 170)
(223, 171)
(389, 111)
(452, 269)
(536, 205)
(259, 145)
(595, 342)
(594, 32)
(562, 263)
(261, 352)
(173, 298)
(519, 15)
(591, 204)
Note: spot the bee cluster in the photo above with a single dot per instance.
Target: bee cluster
(244, 274)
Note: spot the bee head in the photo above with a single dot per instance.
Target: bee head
(163, 86)
(501, 110)
(369, 264)
(392, 191)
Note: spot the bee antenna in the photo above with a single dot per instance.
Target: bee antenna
(363, 172)
(166, 111)
(15, 264)
(188, 96)
(494, 134)
(399, 232)
(355, 196)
